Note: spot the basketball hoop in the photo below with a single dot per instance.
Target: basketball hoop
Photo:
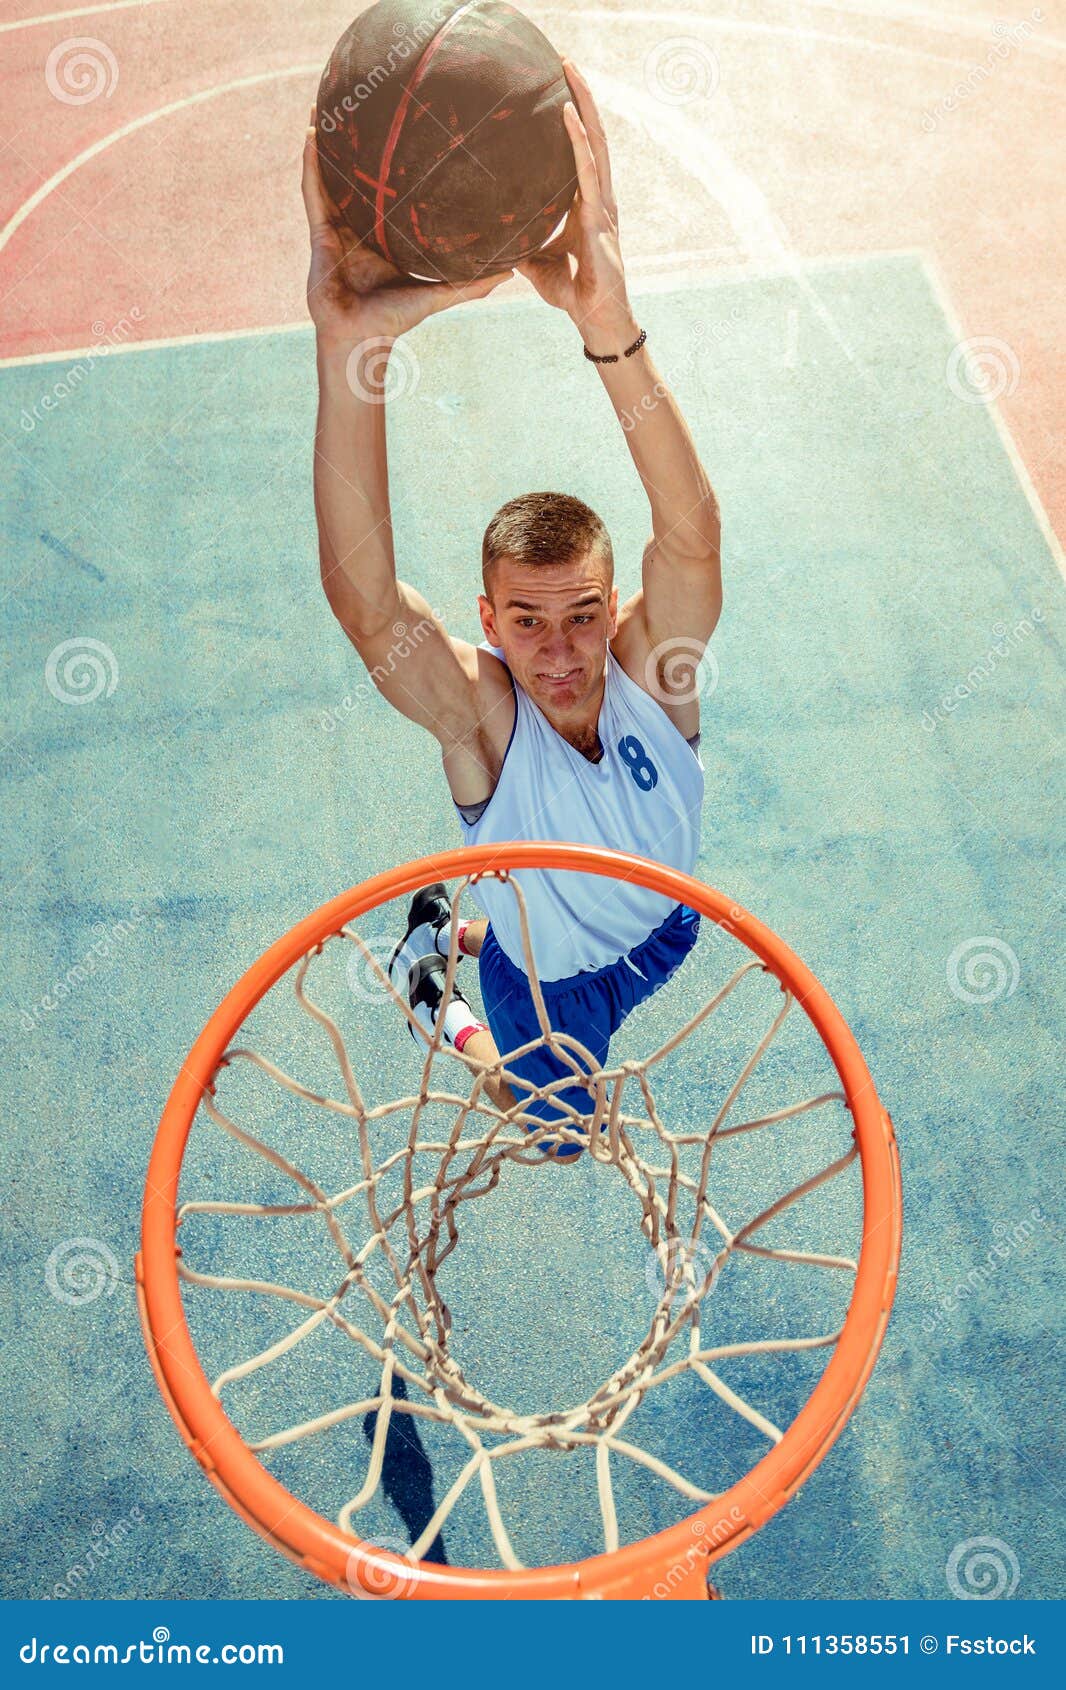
(403, 1325)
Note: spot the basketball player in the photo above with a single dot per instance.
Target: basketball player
(567, 722)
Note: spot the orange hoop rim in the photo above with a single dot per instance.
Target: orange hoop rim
(672, 1563)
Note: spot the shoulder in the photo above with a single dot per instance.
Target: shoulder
(480, 684)
(660, 670)
(496, 694)
(476, 743)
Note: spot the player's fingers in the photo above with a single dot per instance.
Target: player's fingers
(587, 180)
(365, 267)
(314, 195)
(568, 235)
(532, 268)
(589, 113)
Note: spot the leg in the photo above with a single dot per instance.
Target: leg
(432, 910)
(418, 968)
(472, 934)
(482, 1047)
(591, 1007)
(511, 1013)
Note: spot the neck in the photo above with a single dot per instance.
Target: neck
(585, 740)
(581, 730)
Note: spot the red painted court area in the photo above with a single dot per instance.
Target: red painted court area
(150, 164)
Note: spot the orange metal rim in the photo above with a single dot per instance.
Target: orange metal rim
(671, 1564)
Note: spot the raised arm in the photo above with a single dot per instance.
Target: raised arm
(583, 274)
(359, 305)
(352, 492)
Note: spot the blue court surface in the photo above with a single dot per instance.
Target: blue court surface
(203, 763)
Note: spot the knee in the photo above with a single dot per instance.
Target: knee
(566, 1155)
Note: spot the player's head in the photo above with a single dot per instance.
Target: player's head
(550, 602)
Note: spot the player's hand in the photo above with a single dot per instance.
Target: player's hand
(353, 294)
(581, 271)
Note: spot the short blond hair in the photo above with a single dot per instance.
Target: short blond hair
(544, 528)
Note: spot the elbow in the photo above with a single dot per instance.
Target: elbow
(332, 579)
(342, 596)
(700, 532)
(706, 523)
(716, 609)
(709, 523)
(693, 539)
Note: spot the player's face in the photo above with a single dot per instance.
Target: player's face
(553, 623)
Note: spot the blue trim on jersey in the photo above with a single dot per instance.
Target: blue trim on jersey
(590, 1006)
(471, 814)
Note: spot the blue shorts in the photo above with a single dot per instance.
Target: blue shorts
(590, 1007)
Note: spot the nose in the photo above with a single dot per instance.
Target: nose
(558, 654)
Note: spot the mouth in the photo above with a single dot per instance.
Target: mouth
(560, 678)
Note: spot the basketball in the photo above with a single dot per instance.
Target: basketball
(441, 138)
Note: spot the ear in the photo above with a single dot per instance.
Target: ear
(612, 614)
(488, 619)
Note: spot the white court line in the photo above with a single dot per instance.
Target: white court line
(945, 23)
(715, 23)
(701, 156)
(885, 11)
(78, 12)
(657, 283)
(738, 194)
(29, 206)
(760, 266)
(510, 296)
(103, 350)
(937, 283)
(942, 293)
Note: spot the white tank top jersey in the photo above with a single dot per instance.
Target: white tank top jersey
(644, 795)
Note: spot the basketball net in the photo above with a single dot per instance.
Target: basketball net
(400, 1245)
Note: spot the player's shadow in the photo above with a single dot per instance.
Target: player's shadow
(406, 1473)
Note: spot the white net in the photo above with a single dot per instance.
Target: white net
(401, 1178)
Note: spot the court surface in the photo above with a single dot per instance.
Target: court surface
(845, 303)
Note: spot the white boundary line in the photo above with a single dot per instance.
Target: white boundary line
(756, 267)
(103, 349)
(942, 294)
(78, 12)
(937, 23)
(19, 217)
(718, 23)
(887, 11)
(657, 283)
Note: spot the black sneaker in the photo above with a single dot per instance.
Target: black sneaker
(430, 909)
(416, 968)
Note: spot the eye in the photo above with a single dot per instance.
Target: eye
(582, 618)
(527, 622)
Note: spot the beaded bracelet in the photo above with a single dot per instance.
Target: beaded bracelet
(612, 357)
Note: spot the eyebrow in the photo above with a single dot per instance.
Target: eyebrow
(589, 598)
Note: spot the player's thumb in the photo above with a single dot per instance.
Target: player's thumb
(449, 294)
(485, 284)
